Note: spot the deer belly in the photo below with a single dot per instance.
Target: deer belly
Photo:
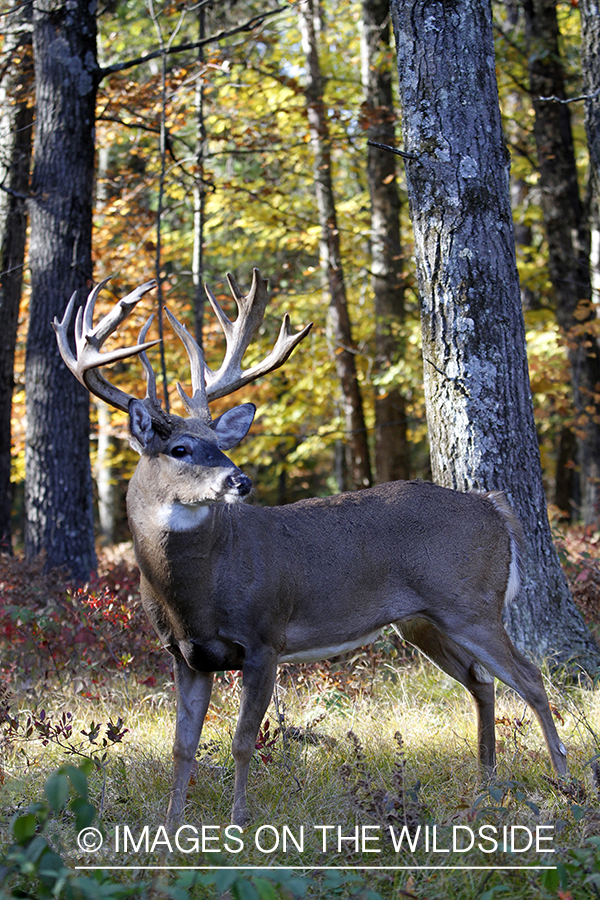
(213, 655)
(313, 654)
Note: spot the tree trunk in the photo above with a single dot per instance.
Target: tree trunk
(590, 64)
(16, 118)
(58, 479)
(479, 408)
(359, 464)
(199, 189)
(566, 229)
(392, 458)
(108, 492)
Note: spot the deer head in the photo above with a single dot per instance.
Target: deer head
(195, 443)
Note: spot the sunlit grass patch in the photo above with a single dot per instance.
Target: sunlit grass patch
(369, 753)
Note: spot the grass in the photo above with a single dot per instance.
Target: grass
(334, 762)
(375, 742)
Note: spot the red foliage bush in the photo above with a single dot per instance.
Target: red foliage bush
(579, 552)
(49, 629)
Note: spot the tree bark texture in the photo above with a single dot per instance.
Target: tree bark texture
(479, 408)
(199, 188)
(359, 465)
(590, 64)
(590, 67)
(567, 233)
(58, 494)
(16, 120)
(108, 490)
(391, 442)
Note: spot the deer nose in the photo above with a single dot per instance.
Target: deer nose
(241, 483)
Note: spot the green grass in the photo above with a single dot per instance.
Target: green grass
(364, 779)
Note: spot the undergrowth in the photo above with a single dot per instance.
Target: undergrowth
(365, 768)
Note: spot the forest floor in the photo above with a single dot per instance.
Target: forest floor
(350, 804)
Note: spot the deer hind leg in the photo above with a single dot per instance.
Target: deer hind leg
(464, 667)
(491, 646)
(258, 680)
(193, 696)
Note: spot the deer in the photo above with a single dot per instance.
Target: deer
(229, 585)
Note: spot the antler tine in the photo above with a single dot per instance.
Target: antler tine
(151, 394)
(197, 404)
(85, 362)
(251, 309)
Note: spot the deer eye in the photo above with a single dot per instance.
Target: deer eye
(179, 451)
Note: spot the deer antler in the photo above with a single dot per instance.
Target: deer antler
(208, 385)
(89, 340)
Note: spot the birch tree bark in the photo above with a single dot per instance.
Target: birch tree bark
(479, 408)
(16, 119)
(58, 494)
(392, 457)
(359, 466)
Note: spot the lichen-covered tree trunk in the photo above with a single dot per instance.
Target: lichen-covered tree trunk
(392, 457)
(566, 227)
(359, 466)
(58, 493)
(590, 67)
(16, 119)
(479, 407)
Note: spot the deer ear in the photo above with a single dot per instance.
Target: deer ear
(141, 429)
(233, 425)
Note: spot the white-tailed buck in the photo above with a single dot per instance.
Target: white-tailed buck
(233, 586)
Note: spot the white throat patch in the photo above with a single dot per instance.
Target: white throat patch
(181, 516)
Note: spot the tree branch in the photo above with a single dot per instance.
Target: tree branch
(553, 99)
(403, 153)
(189, 45)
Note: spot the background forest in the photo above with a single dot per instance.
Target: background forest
(214, 137)
(215, 144)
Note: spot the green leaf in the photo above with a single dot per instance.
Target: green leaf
(57, 791)
(497, 889)
(78, 779)
(298, 885)
(266, 889)
(51, 868)
(562, 875)
(550, 880)
(224, 879)
(84, 812)
(35, 849)
(24, 828)
(242, 889)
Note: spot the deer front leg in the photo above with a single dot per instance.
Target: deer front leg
(193, 696)
(257, 688)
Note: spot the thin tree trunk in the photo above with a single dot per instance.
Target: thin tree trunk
(392, 456)
(108, 494)
(199, 205)
(16, 119)
(58, 492)
(566, 229)
(107, 488)
(359, 464)
(479, 408)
